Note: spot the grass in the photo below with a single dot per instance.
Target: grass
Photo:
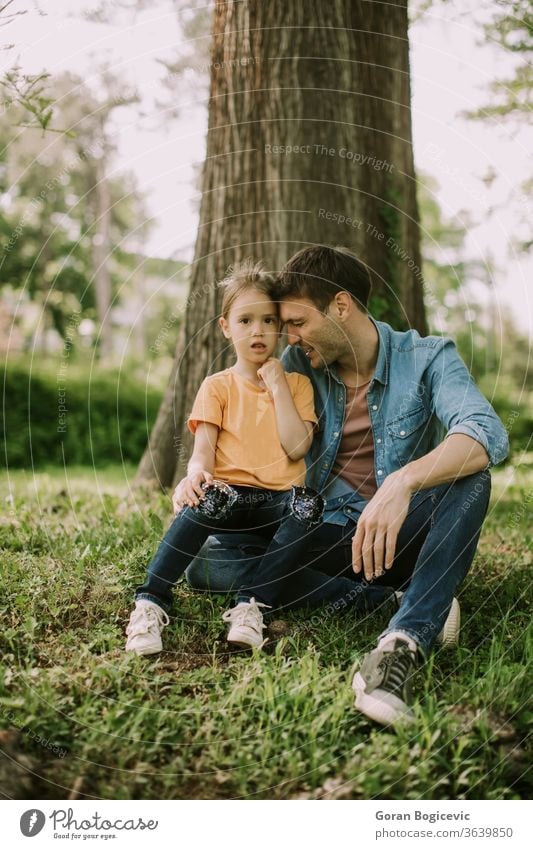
(199, 722)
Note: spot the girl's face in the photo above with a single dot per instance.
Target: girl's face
(253, 326)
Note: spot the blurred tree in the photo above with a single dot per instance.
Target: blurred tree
(442, 243)
(309, 141)
(57, 194)
(512, 29)
(96, 127)
(511, 98)
(461, 302)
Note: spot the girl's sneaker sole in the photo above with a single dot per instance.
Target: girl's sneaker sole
(146, 651)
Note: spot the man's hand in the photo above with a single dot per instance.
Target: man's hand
(189, 490)
(374, 542)
(271, 373)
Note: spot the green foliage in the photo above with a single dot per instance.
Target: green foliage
(515, 409)
(379, 307)
(63, 419)
(200, 722)
(31, 94)
(442, 245)
(512, 29)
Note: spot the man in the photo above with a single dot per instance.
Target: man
(403, 506)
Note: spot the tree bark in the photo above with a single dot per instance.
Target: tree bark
(309, 141)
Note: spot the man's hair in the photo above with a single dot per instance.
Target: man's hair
(242, 277)
(319, 272)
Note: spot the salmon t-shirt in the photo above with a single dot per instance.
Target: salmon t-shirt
(355, 457)
(248, 450)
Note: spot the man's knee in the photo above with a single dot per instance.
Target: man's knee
(197, 572)
(475, 491)
(223, 562)
(307, 505)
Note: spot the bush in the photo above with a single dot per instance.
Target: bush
(514, 407)
(80, 420)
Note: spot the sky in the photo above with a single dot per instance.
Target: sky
(451, 67)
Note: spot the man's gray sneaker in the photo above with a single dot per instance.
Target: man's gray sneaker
(383, 684)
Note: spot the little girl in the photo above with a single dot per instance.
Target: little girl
(253, 425)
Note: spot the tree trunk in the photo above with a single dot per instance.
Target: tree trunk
(309, 141)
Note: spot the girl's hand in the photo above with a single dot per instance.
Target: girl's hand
(271, 373)
(189, 492)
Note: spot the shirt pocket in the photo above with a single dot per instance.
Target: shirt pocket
(408, 435)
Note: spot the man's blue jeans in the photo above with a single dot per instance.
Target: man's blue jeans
(435, 549)
(284, 535)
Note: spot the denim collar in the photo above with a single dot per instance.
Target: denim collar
(381, 372)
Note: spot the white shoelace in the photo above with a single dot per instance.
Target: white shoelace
(246, 614)
(146, 619)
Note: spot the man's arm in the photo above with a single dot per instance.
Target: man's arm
(374, 543)
(460, 406)
(476, 439)
(456, 457)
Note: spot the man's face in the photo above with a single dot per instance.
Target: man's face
(317, 333)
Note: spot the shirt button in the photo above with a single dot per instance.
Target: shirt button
(336, 433)
(378, 441)
(380, 472)
(402, 433)
(374, 406)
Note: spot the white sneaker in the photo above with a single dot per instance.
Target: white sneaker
(247, 625)
(449, 636)
(147, 620)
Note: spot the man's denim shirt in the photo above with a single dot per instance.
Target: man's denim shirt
(421, 391)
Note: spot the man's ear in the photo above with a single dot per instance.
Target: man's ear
(223, 324)
(342, 305)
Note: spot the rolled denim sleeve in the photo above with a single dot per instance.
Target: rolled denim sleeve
(460, 406)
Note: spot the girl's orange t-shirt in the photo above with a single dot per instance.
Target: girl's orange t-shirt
(248, 450)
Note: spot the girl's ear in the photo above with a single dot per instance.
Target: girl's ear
(223, 324)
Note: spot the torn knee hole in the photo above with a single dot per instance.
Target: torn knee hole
(306, 504)
(218, 501)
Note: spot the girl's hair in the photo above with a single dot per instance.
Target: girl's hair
(242, 277)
